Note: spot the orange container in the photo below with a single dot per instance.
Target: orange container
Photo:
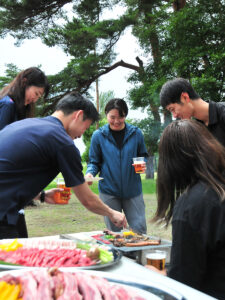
(139, 165)
(156, 259)
(63, 196)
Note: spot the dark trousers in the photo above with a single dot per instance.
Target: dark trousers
(22, 227)
(19, 230)
(8, 231)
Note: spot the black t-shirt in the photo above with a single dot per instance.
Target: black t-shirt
(32, 153)
(118, 136)
(198, 248)
(217, 121)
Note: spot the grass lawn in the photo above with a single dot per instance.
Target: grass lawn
(46, 219)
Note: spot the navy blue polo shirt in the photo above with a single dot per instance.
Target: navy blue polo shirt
(32, 153)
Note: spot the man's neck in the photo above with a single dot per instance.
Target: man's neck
(201, 110)
(60, 115)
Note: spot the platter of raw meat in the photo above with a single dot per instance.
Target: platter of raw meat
(49, 284)
(47, 253)
(58, 284)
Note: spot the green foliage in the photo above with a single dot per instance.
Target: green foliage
(188, 42)
(10, 74)
(28, 19)
(151, 130)
(103, 99)
(197, 36)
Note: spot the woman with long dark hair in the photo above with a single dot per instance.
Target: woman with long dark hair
(191, 192)
(17, 102)
(18, 98)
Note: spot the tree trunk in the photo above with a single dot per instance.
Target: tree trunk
(150, 167)
(97, 100)
(167, 117)
(178, 4)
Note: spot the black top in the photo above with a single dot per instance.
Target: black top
(118, 136)
(217, 121)
(198, 248)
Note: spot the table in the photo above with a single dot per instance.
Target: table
(127, 267)
(130, 270)
(139, 253)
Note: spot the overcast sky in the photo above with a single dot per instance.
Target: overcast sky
(53, 60)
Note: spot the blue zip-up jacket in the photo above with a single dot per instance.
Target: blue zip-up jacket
(7, 111)
(114, 164)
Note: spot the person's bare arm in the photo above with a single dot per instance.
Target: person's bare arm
(152, 268)
(93, 203)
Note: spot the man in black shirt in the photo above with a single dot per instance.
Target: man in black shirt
(179, 97)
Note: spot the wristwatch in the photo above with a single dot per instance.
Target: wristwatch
(42, 197)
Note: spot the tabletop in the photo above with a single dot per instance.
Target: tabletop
(129, 269)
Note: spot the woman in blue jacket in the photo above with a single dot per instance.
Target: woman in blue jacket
(113, 147)
(17, 102)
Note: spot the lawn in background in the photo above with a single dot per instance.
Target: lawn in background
(45, 219)
(148, 185)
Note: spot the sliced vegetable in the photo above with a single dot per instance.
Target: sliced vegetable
(11, 246)
(109, 236)
(9, 291)
(128, 233)
(105, 256)
(2, 262)
(84, 246)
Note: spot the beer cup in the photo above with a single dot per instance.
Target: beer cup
(139, 165)
(62, 197)
(157, 259)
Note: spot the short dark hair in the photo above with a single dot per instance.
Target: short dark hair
(172, 90)
(75, 101)
(118, 104)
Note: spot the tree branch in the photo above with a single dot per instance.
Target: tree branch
(84, 85)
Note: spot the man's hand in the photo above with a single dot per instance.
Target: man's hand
(152, 268)
(89, 175)
(50, 194)
(118, 219)
(142, 166)
(93, 203)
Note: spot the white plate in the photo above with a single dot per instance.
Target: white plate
(92, 179)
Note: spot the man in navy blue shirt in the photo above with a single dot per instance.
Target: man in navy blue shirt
(32, 153)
